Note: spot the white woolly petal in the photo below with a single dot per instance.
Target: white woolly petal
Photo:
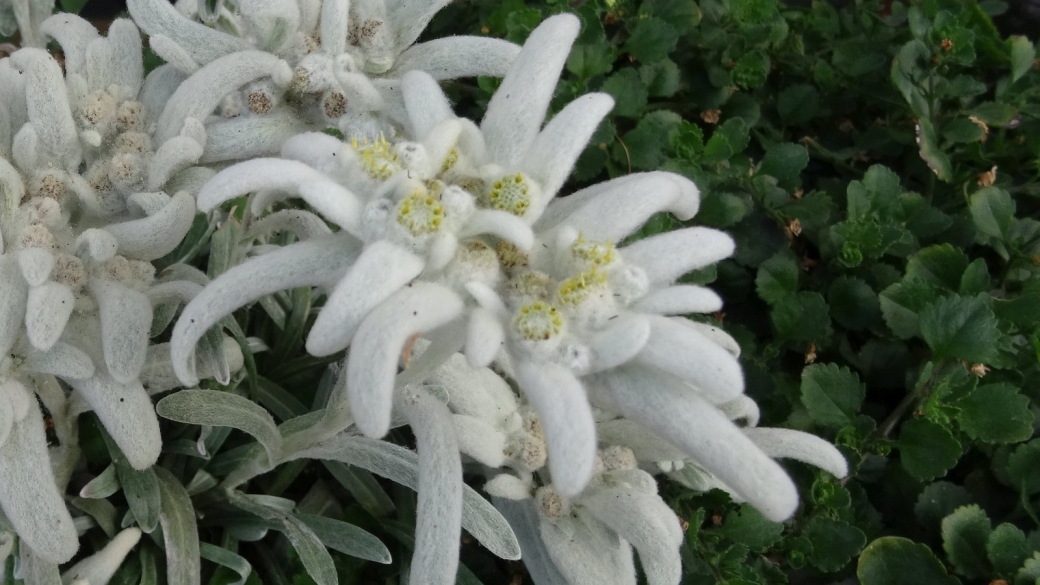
(408, 18)
(558, 146)
(62, 360)
(741, 407)
(687, 354)
(480, 440)
(14, 293)
(509, 487)
(36, 265)
(100, 65)
(502, 224)
(570, 430)
(248, 137)
(26, 148)
(175, 155)
(200, 94)
(74, 34)
(516, 111)
(316, 262)
(640, 519)
(438, 522)
(158, 87)
(441, 252)
(372, 362)
(792, 444)
(318, 150)
(487, 298)
(642, 194)
(49, 112)
(18, 397)
(658, 255)
(11, 183)
(126, 317)
(484, 337)
(159, 234)
(46, 313)
(330, 199)
(680, 300)
(29, 495)
(303, 224)
(459, 56)
(473, 392)
(128, 415)
(97, 243)
(6, 417)
(703, 433)
(129, 64)
(616, 213)
(381, 270)
(98, 568)
(588, 553)
(335, 15)
(424, 100)
(203, 43)
(715, 334)
(619, 343)
(644, 444)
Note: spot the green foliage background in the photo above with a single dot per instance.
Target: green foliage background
(877, 165)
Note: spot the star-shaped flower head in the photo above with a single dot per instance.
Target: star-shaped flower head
(346, 58)
(413, 225)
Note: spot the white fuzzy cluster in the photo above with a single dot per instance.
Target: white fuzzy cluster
(88, 198)
(509, 328)
(450, 256)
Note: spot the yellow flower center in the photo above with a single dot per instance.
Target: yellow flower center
(451, 160)
(420, 213)
(593, 254)
(510, 193)
(538, 321)
(574, 290)
(377, 157)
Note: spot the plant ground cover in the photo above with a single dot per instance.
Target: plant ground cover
(877, 165)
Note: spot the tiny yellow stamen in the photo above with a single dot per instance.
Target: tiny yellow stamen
(420, 213)
(574, 290)
(510, 193)
(377, 157)
(593, 254)
(538, 321)
(450, 161)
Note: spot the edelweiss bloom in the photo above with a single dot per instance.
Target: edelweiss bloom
(84, 212)
(346, 60)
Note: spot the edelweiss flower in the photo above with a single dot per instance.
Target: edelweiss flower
(84, 213)
(346, 59)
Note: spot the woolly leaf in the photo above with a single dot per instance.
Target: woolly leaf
(180, 532)
(223, 409)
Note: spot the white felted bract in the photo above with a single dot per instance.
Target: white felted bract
(153, 237)
(14, 293)
(316, 262)
(645, 522)
(46, 313)
(656, 254)
(36, 265)
(570, 429)
(98, 568)
(680, 300)
(62, 360)
(439, 510)
(455, 57)
(586, 552)
(126, 317)
(381, 270)
(515, 113)
(128, 415)
(378, 343)
(484, 338)
(688, 355)
(800, 446)
(203, 43)
(705, 435)
(28, 494)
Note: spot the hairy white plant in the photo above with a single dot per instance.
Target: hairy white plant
(24, 17)
(345, 57)
(85, 209)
